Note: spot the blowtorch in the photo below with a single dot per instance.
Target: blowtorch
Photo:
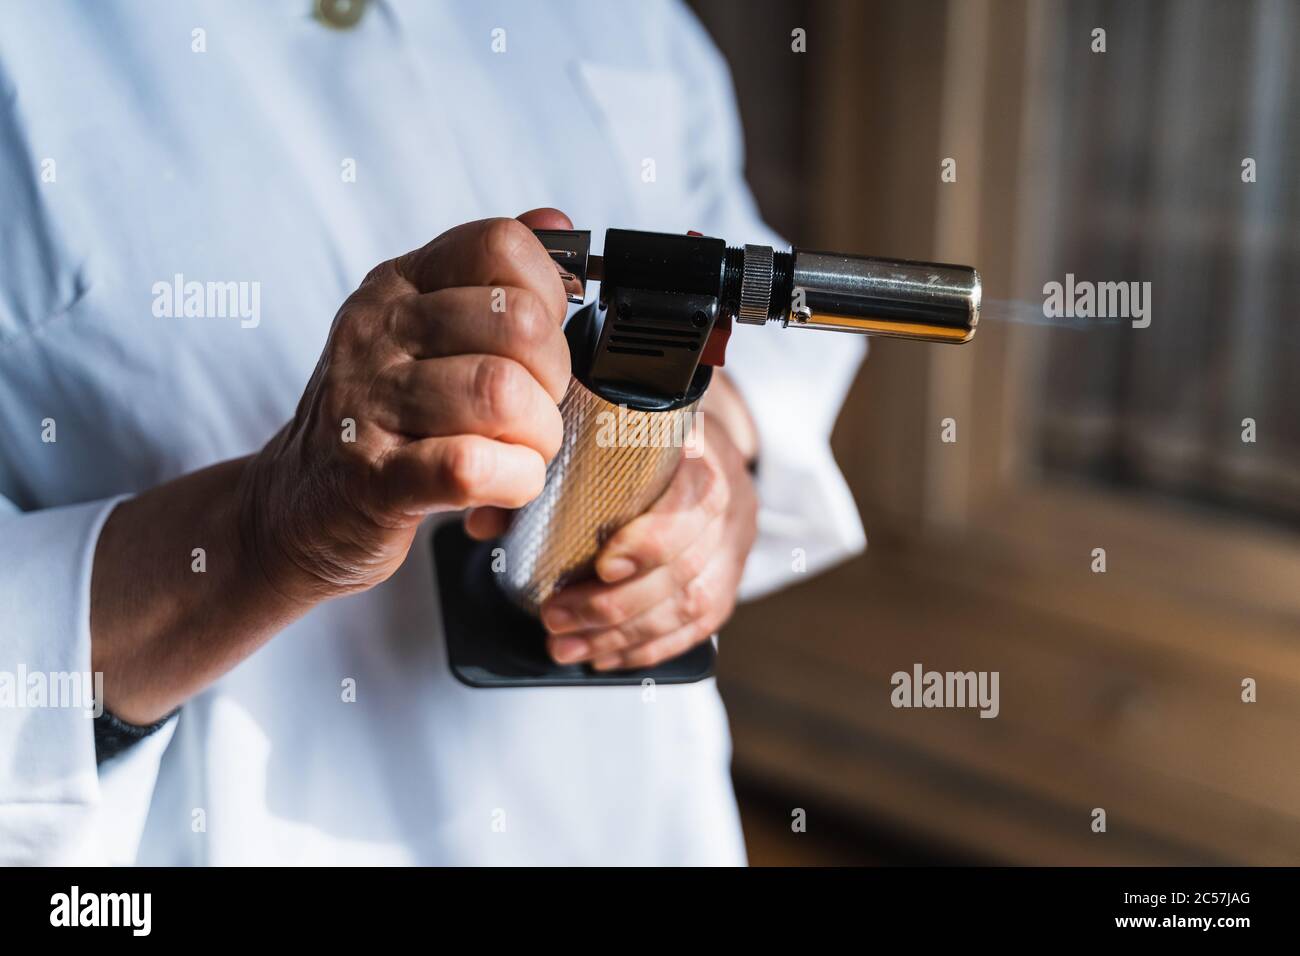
(643, 354)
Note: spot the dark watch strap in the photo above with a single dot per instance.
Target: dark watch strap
(113, 735)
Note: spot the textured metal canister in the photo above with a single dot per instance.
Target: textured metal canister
(612, 465)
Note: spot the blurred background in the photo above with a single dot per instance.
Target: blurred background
(1119, 690)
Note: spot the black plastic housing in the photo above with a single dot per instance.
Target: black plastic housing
(661, 294)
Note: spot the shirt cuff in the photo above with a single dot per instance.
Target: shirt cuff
(48, 696)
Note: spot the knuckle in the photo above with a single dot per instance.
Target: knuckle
(390, 318)
(336, 401)
(380, 274)
(637, 630)
(466, 466)
(605, 608)
(537, 333)
(651, 544)
(397, 318)
(384, 280)
(348, 337)
(697, 602)
(503, 238)
(530, 323)
(499, 385)
(690, 564)
(609, 642)
(358, 310)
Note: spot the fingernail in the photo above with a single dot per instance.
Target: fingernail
(566, 650)
(616, 569)
(605, 663)
(558, 619)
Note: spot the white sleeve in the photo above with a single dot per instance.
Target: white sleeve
(794, 382)
(56, 807)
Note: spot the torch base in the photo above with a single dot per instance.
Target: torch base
(493, 643)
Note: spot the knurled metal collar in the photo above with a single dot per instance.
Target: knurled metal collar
(756, 285)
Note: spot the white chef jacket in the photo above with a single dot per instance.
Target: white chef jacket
(142, 141)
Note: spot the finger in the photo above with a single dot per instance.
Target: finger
(655, 652)
(464, 471)
(595, 604)
(694, 603)
(546, 217)
(697, 494)
(590, 605)
(484, 524)
(469, 394)
(507, 321)
(568, 648)
(690, 603)
(706, 601)
(657, 622)
(489, 252)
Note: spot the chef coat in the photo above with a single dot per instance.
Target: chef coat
(246, 141)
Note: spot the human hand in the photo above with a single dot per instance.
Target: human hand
(437, 390)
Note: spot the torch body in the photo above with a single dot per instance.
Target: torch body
(610, 468)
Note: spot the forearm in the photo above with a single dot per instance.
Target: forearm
(165, 622)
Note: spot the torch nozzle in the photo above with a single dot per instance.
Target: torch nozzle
(832, 291)
(801, 289)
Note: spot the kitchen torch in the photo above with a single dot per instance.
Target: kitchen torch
(642, 357)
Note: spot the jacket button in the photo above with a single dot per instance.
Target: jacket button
(340, 14)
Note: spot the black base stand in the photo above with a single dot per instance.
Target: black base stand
(492, 643)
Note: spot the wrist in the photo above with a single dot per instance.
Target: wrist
(726, 408)
(265, 534)
(177, 596)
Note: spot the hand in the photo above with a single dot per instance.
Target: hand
(667, 580)
(437, 390)
(448, 362)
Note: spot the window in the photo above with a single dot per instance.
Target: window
(1120, 689)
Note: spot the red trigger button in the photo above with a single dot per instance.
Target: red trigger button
(715, 349)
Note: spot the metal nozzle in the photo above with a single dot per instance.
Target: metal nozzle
(929, 301)
(933, 302)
